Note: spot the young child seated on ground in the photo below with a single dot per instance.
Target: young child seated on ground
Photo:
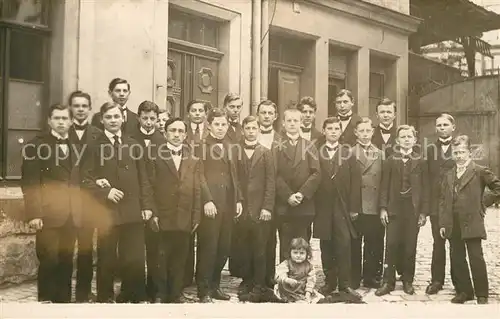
(295, 277)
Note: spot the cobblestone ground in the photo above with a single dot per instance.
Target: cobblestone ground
(27, 292)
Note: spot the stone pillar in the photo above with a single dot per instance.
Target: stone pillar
(358, 80)
(321, 80)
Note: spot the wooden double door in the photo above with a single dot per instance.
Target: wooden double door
(190, 76)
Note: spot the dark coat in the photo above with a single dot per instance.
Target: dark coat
(125, 170)
(348, 136)
(437, 165)
(258, 183)
(337, 195)
(297, 172)
(51, 182)
(130, 126)
(234, 133)
(470, 204)
(177, 193)
(391, 185)
(378, 141)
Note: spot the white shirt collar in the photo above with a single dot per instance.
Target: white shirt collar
(329, 144)
(251, 143)
(308, 126)
(174, 148)
(461, 167)
(444, 140)
(58, 136)
(83, 123)
(193, 126)
(111, 136)
(349, 114)
(266, 129)
(404, 152)
(293, 137)
(386, 128)
(145, 132)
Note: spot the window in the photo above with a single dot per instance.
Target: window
(24, 52)
(192, 28)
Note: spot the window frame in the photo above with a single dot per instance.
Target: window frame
(6, 29)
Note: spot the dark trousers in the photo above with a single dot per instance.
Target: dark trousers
(190, 265)
(438, 262)
(173, 252)
(128, 239)
(214, 243)
(461, 267)
(402, 229)
(271, 253)
(253, 263)
(329, 262)
(54, 249)
(290, 228)
(238, 246)
(368, 249)
(85, 263)
(151, 239)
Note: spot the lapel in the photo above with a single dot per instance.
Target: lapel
(186, 163)
(64, 162)
(414, 161)
(451, 175)
(171, 165)
(372, 157)
(216, 149)
(257, 154)
(360, 156)
(466, 177)
(298, 151)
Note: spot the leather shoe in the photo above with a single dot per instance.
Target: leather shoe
(219, 295)
(482, 300)
(371, 283)
(326, 290)
(205, 299)
(461, 298)
(352, 292)
(384, 290)
(408, 288)
(433, 288)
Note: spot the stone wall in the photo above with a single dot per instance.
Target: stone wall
(18, 260)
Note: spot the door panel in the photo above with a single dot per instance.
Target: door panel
(205, 76)
(174, 82)
(288, 90)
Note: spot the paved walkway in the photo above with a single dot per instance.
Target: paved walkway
(27, 292)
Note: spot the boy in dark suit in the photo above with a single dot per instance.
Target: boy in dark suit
(51, 187)
(461, 219)
(177, 179)
(222, 203)
(232, 106)
(149, 138)
(344, 103)
(119, 91)
(337, 201)
(404, 204)
(439, 161)
(307, 106)
(81, 135)
(367, 159)
(298, 178)
(117, 176)
(257, 179)
(267, 113)
(384, 134)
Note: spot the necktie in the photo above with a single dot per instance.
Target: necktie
(176, 153)
(384, 131)
(117, 140)
(250, 147)
(80, 127)
(234, 124)
(344, 118)
(405, 156)
(332, 149)
(305, 129)
(62, 141)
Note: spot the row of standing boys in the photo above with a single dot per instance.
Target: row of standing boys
(231, 187)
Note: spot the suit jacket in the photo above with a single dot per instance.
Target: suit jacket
(51, 182)
(378, 141)
(298, 171)
(125, 170)
(348, 136)
(151, 152)
(437, 165)
(337, 195)
(196, 143)
(316, 137)
(467, 198)
(391, 185)
(369, 175)
(275, 146)
(177, 193)
(257, 181)
(213, 191)
(130, 126)
(234, 134)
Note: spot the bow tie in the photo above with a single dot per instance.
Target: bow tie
(233, 124)
(331, 149)
(176, 153)
(405, 156)
(80, 127)
(249, 147)
(384, 131)
(445, 142)
(218, 140)
(62, 141)
(344, 118)
(266, 132)
(146, 136)
(306, 129)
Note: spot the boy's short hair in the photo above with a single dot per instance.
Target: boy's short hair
(216, 112)
(405, 127)
(79, 93)
(172, 120)
(345, 92)
(267, 102)
(60, 107)
(230, 97)
(306, 100)
(249, 119)
(288, 111)
(108, 106)
(148, 106)
(206, 105)
(117, 81)
(364, 120)
(301, 243)
(448, 117)
(330, 120)
(387, 101)
(461, 139)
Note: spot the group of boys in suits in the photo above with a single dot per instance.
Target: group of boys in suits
(230, 188)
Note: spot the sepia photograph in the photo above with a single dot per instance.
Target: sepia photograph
(249, 158)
